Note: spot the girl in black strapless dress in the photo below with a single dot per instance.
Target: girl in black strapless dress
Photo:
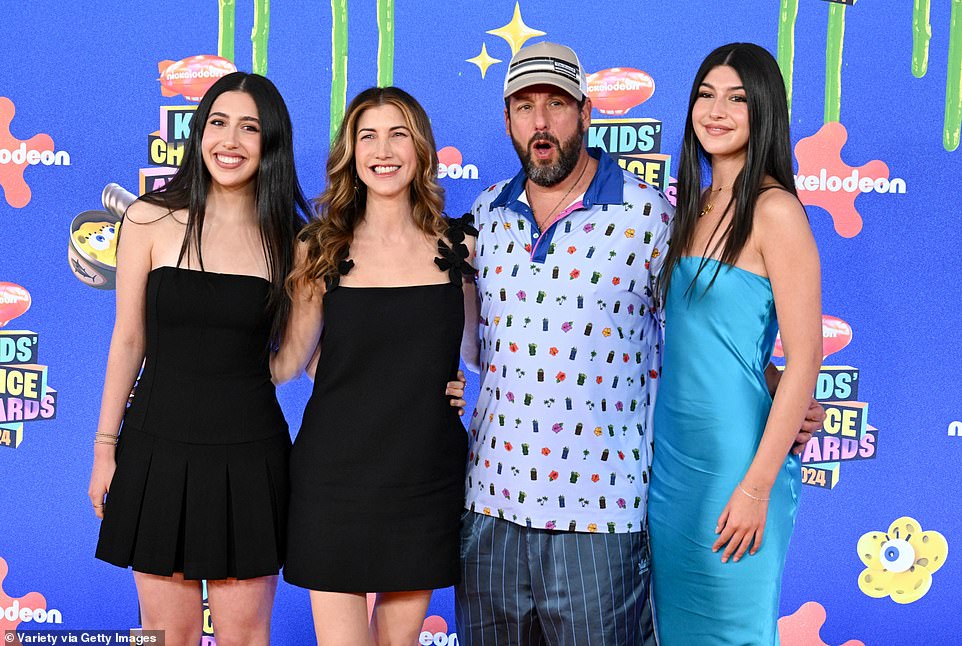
(196, 485)
(383, 289)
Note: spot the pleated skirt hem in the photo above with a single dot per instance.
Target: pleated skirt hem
(210, 511)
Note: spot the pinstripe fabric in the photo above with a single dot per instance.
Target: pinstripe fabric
(524, 586)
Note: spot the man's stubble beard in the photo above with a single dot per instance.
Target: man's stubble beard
(548, 175)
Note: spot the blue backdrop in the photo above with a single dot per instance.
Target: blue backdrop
(873, 96)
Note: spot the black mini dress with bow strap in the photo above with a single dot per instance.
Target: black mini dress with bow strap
(377, 468)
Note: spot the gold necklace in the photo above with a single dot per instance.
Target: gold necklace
(708, 205)
(560, 202)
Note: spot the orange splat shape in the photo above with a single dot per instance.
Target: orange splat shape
(823, 151)
(803, 626)
(15, 188)
(32, 600)
(434, 625)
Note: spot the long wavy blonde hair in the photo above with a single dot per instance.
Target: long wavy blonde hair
(341, 207)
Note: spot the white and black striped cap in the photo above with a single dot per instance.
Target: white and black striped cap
(548, 64)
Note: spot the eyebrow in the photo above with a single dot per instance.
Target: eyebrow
(528, 96)
(226, 116)
(733, 87)
(391, 129)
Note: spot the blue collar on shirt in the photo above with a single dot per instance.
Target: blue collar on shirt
(607, 186)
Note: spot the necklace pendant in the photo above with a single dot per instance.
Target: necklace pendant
(705, 211)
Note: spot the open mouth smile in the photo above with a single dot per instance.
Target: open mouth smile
(227, 161)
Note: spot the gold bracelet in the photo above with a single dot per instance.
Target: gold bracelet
(742, 489)
(99, 438)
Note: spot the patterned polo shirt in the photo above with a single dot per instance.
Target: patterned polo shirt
(570, 355)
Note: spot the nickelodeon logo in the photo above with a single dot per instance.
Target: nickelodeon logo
(451, 165)
(192, 77)
(619, 89)
(21, 156)
(824, 180)
(836, 334)
(14, 612)
(851, 184)
(30, 607)
(16, 155)
(434, 632)
(437, 639)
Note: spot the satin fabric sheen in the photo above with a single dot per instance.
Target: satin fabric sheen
(711, 411)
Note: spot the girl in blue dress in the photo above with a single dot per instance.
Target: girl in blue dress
(742, 265)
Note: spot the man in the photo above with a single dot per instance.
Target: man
(554, 548)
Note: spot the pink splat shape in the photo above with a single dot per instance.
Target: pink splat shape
(803, 626)
(32, 600)
(15, 188)
(434, 625)
(823, 150)
(449, 155)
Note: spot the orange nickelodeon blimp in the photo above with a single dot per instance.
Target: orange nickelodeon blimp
(193, 76)
(836, 334)
(619, 89)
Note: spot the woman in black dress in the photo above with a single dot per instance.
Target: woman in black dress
(377, 469)
(198, 479)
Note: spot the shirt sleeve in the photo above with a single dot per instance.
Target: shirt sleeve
(665, 213)
(655, 325)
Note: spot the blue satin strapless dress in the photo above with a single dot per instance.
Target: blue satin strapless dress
(710, 414)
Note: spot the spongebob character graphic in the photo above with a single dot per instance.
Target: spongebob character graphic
(98, 240)
(900, 562)
(92, 252)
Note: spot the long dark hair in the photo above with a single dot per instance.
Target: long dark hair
(341, 206)
(281, 207)
(769, 153)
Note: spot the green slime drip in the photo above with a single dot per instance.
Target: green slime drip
(953, 81)
(833, 62)
(921, 34)
(225, 29)
(338, 63)
(385, 43)
(262, 27)
(787, 15)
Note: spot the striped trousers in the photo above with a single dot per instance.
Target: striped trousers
(523, 586)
